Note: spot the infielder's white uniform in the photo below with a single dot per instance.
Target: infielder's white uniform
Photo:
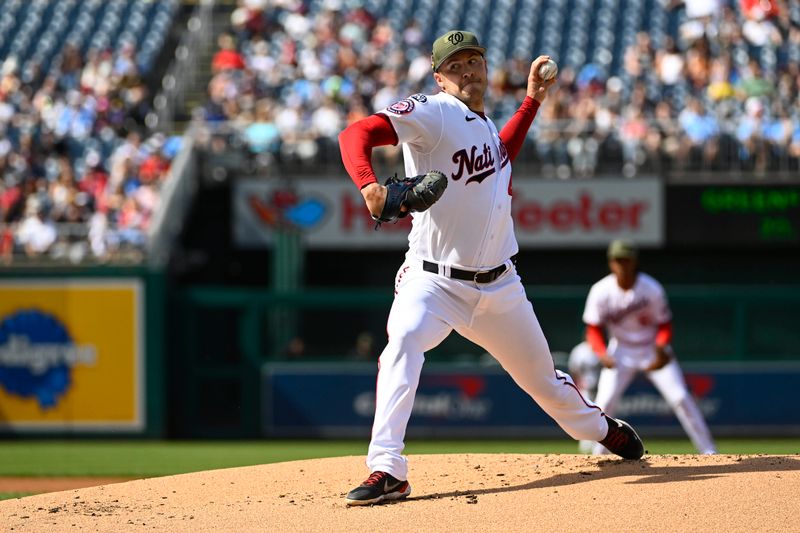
(584, 367)
(469, 228)
(632, 318)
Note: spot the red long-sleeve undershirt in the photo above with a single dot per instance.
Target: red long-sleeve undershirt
(357, 140)
(597, 339)
(664, 334)
(356, 143)
(516, 129)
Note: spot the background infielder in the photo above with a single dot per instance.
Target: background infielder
(633, 307)
(459, 272)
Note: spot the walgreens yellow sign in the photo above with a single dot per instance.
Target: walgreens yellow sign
(71, 355)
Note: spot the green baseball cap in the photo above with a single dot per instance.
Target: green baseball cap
(452, 42)
(622, 249)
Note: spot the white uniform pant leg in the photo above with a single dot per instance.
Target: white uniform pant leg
(611, 385)
(512, 335)
(670, 383)
(584, 445)
(415, 326)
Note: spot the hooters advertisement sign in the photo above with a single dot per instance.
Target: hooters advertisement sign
(331, 213)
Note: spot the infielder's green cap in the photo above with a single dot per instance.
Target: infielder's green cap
(622, 249)
(452, 42)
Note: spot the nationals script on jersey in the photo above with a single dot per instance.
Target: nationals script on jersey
(632, 317)
(471, 225)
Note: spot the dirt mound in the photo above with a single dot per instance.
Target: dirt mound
(470, 492)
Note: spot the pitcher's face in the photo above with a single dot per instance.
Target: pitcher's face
(465, 76)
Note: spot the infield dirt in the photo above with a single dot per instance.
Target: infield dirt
(469, 492)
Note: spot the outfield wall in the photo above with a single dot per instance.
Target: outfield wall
(324, 400)
(113, 352)
(222, 338)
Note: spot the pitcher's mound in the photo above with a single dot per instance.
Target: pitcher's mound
(470, 492)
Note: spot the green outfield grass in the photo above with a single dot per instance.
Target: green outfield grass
(141, 459)
(10, 495)
(137, 459)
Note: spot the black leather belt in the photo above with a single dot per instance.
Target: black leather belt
(478, 276)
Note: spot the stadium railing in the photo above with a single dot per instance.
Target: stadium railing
(562, 149)
(183, 72)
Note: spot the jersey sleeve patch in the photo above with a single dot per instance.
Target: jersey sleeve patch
(402, 107)
(419, 97)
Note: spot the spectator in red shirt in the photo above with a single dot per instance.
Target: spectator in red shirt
(154, 168)
(760, 21)
(227, 57)
(760, 9)
(94, 181)
(6, 243)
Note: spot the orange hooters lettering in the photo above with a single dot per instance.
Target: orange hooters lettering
(581, 213)
(474, 163)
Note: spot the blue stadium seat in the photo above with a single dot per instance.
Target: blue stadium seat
(36, 32)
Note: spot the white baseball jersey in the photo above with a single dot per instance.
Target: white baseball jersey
(471, 225)
(631, 316)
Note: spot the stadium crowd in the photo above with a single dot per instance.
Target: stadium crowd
(79, 174)
(719, 94)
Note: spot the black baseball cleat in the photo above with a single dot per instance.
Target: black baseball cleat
(378, 487)
(622, 440)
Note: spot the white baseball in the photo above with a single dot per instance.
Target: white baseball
(548, 70)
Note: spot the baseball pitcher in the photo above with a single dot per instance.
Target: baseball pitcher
(459, 272)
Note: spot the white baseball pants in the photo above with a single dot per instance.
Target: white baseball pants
(670, 383)
(498, 317)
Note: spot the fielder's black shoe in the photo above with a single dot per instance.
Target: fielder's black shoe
(622, 439)
(378, 487)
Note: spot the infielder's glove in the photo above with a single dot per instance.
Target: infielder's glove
(416, 194)
(664, 355)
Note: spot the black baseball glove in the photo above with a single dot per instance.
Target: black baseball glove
(417, 194)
